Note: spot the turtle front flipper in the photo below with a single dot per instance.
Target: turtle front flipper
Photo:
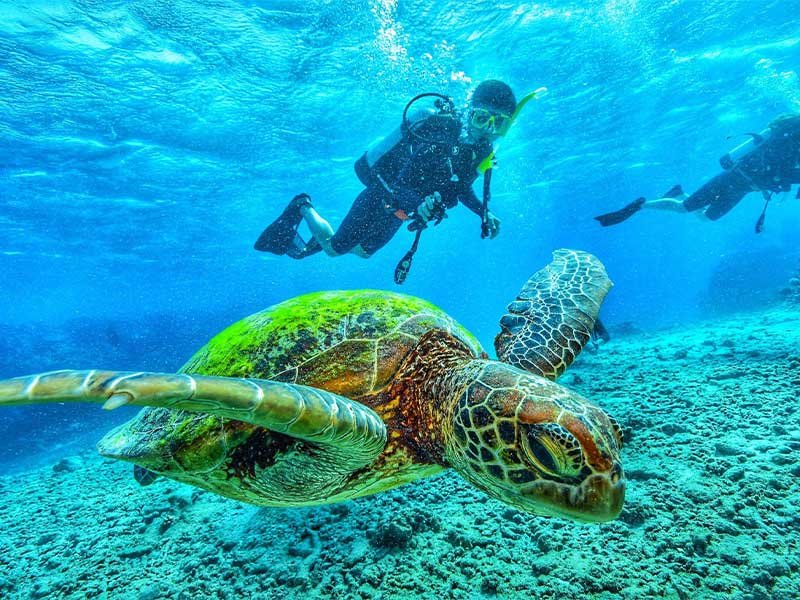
(355, 432)
(554, 314)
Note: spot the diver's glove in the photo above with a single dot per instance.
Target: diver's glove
(431, 208)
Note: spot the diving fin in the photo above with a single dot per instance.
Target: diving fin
(300, 248)
(618, 216)
(281, 236)
(674, 192)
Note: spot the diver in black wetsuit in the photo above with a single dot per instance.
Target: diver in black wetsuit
(412, 175)
(769, 163)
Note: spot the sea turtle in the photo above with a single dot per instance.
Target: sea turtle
(336, 395)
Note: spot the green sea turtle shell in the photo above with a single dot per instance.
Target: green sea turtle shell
(347, 342)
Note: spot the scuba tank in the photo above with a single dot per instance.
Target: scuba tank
(728, 160)
(735, 157)
(439, 125)
(765, 161)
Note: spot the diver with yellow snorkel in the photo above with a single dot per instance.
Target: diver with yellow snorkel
(414, 175)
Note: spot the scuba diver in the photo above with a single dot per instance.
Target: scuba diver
(414, 176)
(768, 162)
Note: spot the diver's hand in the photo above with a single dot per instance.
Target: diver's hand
(431, 207)
(494, 225)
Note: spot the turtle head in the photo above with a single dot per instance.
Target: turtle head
(537, 446)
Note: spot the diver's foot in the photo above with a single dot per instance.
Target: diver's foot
(300, 201)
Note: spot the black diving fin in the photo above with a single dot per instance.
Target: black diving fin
(281, 236)
(623, 214)
(300, 248)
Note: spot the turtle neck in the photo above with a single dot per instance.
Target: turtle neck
(428, 385)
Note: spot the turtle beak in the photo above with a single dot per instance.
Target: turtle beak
(601, 496)
(597, 499)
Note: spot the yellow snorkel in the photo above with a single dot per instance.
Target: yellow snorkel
(485, 166)
(488, 162)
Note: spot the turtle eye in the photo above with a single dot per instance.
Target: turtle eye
(552, 449)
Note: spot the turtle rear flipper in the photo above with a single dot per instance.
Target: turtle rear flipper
(554, 314)
(143, 476)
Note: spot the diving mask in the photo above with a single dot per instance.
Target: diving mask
(487, 120)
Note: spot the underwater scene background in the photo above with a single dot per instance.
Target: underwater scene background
(144, 145)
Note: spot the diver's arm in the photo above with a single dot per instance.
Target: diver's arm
(469, 199)
(472, 202)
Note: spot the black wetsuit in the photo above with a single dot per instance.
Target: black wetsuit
(436, 159)
(772, 166)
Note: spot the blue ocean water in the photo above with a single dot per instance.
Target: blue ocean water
(145, 144)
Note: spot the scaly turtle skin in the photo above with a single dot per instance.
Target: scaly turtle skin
(337, 395)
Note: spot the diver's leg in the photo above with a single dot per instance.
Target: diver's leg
(383, 230)
(730, 189)
(719, 195)
(677, 204)
(668, 204)
(319, 228)
(347, 238)
(359, 225)
(673, 200)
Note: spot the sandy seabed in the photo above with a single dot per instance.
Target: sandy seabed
(712, 455)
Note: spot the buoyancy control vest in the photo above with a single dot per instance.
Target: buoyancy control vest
(426, 154)
(770, 159)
